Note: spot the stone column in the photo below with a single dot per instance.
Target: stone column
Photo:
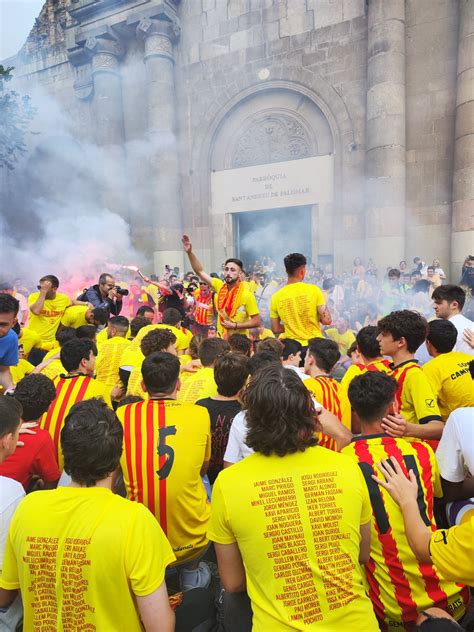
(385, 216)
(165, 207)
(462, 242)
(105, 53)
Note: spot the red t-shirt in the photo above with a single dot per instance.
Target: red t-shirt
(36, 457)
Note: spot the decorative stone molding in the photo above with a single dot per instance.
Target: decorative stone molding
(104, 53)
(159, 36)
(271, 138)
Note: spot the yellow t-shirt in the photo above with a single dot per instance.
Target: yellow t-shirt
(298, 532)
(343, 341)
(19, 371)
(166, 444)
(53, 369)
(248, 308)
(452, 552)
(296, 305)
(28, 340)
(414, 397)
(266, 333)
(109, 360)
(47, 323)
(75, 316)
(132, 358)
(134, 386)
(70, 549)
(399, 586)
(451, 382)
(198, 386)
(101, 337)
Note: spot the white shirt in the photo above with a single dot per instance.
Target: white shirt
(298, 370)
(455, 453)
(11, 492)
(237, 449)
(461, 323)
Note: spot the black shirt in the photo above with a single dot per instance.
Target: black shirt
(222, 414)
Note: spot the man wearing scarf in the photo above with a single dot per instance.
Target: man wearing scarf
(236, 305)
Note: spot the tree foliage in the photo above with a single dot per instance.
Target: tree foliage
(16, 112)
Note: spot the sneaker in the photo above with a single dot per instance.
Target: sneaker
(199, 577)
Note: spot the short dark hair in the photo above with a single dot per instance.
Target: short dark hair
(240, 343)
(230, 373)
(160, 372)
(405, 324)
(280, 413)
(237, 262)
(442, 334)
(75, 350)
(52, 279)
(371, 393)
(393, 272)
(9, 304)
(88, 332)
(325, 353)
(450, 293)
(270, 344)
(367, 343)
(352, 349)
(290, 347)
(157, 340)
(100, 315)
(10, 415)
(91, 442)
(143, 309)
(293, 261)
(194, 345)
(65, 334)
(136, 324)
(210, 349)
(262, 359)
(103, 277)
(171, 316)
(121, 322)
(35, 392)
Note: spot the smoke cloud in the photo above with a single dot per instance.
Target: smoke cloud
(53, 220)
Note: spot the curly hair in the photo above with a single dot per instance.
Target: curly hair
(91, 441)
(371, 393)
(280, 413)
(269, 344)
(405, 324)
(35, 393)
(157, 340)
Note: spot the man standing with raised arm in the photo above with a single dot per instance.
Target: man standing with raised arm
(236, 305)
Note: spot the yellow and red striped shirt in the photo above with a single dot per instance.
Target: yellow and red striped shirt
(333, 397)
(166, 444)
(69, 391)
(357, 369)
(204, 312)
(399, 586)
(414, 396)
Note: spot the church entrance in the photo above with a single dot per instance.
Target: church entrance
(273, 233)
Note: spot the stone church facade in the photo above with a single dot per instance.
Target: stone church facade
(352, 119)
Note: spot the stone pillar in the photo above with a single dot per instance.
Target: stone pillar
(165, 215)
(462, 242)
(385, 215)
(105, 53)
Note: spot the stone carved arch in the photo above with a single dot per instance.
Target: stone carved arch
(271, 137)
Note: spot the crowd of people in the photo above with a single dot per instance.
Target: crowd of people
(270, 448)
